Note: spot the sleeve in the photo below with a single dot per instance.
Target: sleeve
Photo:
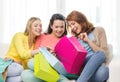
(22, 46)
(102, 39)
(103, 43)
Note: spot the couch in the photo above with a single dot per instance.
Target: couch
(3, 49)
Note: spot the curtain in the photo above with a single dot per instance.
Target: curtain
(15, 13)
(101, 13)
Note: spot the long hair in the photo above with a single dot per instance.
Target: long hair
(54, 17)
(81, 19)
(29, 27)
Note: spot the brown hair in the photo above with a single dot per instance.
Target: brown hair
(82, 20)
(54, 17)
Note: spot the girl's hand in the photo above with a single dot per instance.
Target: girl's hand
(51, 51)
(84, 37)
(7, 59)
(33, 52)
(70, 33)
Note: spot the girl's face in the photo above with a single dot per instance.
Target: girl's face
(36, 28)
(74, 27)
(58, 28)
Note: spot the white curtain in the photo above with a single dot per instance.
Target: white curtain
(15, 13)
(101, 13)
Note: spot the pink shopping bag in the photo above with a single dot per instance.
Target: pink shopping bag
(71, 53)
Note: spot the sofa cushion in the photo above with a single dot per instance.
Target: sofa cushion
(3, 49)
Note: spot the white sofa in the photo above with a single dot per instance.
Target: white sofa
(3, 49)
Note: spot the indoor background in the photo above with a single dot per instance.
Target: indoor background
(106, 13)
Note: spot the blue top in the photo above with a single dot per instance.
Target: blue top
(86, 45)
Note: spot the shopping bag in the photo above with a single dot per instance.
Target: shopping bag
(3, 69)
(43, 70)
(71, 53)
(53, 61)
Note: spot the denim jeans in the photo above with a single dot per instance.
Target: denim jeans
(93, 67)
(101, 75)
(28, 76)
(30, 64)
(14, 72)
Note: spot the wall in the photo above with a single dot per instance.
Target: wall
(1, 16)
(118, 23)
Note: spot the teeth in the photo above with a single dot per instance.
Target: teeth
(58, 32)
(37, 30)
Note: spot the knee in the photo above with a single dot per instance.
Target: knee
(29, 74)
(102, 74)
(14, 69)
(101, 54)
(14, 79)
(26, 74)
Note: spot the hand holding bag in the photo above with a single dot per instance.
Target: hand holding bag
(53, 61)
(43, 70)
(71, 53)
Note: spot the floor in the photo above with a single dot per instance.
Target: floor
(115, 69)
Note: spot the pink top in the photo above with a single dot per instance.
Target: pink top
(46, 40)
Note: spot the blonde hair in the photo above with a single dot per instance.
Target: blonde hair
(29, 23)
(29, 26)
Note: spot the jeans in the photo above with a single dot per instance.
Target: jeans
(101, 75)
(28, 76)
(14, 72)
(31, 64)
(93, 69)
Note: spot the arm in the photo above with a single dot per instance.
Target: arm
(101, 39)
(21, 43)
(85, 38)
